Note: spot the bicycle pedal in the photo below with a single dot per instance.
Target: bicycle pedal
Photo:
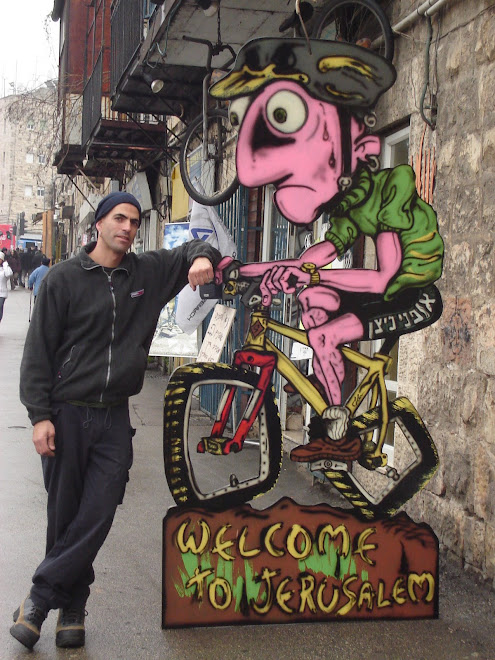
(218, 446)
(327, 464)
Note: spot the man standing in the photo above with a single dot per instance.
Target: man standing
(85, 355)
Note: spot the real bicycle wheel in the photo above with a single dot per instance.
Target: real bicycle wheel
(360, 22)
(380, 493)
(211, 180)
(210, 479)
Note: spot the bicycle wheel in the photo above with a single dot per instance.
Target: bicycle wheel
(361, 22)
(211, 180)
(380, 493)
(210, 479)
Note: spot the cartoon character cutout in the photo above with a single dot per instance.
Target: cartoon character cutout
(303, 126)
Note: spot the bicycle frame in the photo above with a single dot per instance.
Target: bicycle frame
(258, 351)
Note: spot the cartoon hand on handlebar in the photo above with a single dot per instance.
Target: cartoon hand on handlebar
(219, 270)
(282, 278)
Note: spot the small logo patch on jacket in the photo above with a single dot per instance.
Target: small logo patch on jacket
(136, 294)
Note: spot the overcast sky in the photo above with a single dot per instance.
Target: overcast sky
(28, 44)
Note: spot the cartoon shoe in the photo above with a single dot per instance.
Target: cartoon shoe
(321, 447)
(317, 449)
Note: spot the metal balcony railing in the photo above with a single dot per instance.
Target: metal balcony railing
(97, 106)
(92, 101)
(127, 32)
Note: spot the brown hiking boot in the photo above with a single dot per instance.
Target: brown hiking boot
(317, 449)
(28, 619)
(70, 632)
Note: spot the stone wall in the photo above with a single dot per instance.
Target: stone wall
(448, 370)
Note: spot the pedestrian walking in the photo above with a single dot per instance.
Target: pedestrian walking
(5, 275)
(37, 275)
(36, 259)
(26, 258)
(13, 262)
(85, 355)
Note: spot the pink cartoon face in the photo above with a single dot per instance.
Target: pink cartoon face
(293, 140)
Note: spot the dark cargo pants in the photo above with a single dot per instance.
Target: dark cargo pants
(85, 482)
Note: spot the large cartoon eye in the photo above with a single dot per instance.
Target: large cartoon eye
(286, 111)
(238, 109)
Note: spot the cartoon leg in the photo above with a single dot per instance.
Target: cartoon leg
(325, 336)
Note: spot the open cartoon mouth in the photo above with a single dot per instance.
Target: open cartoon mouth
(294, 185)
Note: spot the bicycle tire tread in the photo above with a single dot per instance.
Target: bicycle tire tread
(415, 479)
(177, 471)
(387, 33)
(205, 199)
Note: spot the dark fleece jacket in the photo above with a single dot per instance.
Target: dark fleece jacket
(90, 332)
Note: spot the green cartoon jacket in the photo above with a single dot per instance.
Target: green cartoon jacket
(388, 201)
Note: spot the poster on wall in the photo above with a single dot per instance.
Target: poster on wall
(169, 340)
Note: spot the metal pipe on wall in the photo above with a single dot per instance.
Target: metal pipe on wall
(428, 8)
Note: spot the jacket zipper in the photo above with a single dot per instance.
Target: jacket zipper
(109, 277)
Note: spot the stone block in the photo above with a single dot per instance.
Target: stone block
(474, 542)
(486, 361)
(458, 265)
(464, 206)
(482, 276)
(490, 552)
(488, 149)
(485, 44)
(473, 392)
(458, 331)
(486, 94)
(483, 477)
(443, 405)
(447, 519)
(469, 158)
(485, 337)
(457, 470)
(488, 414)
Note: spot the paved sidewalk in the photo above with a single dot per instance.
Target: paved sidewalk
(125, 605)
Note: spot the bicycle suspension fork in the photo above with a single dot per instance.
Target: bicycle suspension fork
(217, 443)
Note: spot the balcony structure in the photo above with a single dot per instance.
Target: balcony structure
(112, 138)
(159, 53)
(97, 140)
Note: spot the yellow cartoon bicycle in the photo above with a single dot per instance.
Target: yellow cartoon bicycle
(203, 465)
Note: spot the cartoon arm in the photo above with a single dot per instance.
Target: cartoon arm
(320, 254)
(389, 259)
(289, 278)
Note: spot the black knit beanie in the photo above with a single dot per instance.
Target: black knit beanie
(114, 199)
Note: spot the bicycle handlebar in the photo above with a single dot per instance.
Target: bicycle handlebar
(213, 50)
(235, 284)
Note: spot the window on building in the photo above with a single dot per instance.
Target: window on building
(43, 125)
(29, 158)
(41, 159)
(40, 192)
(28, 191)
(3, 190)
(30, 124)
